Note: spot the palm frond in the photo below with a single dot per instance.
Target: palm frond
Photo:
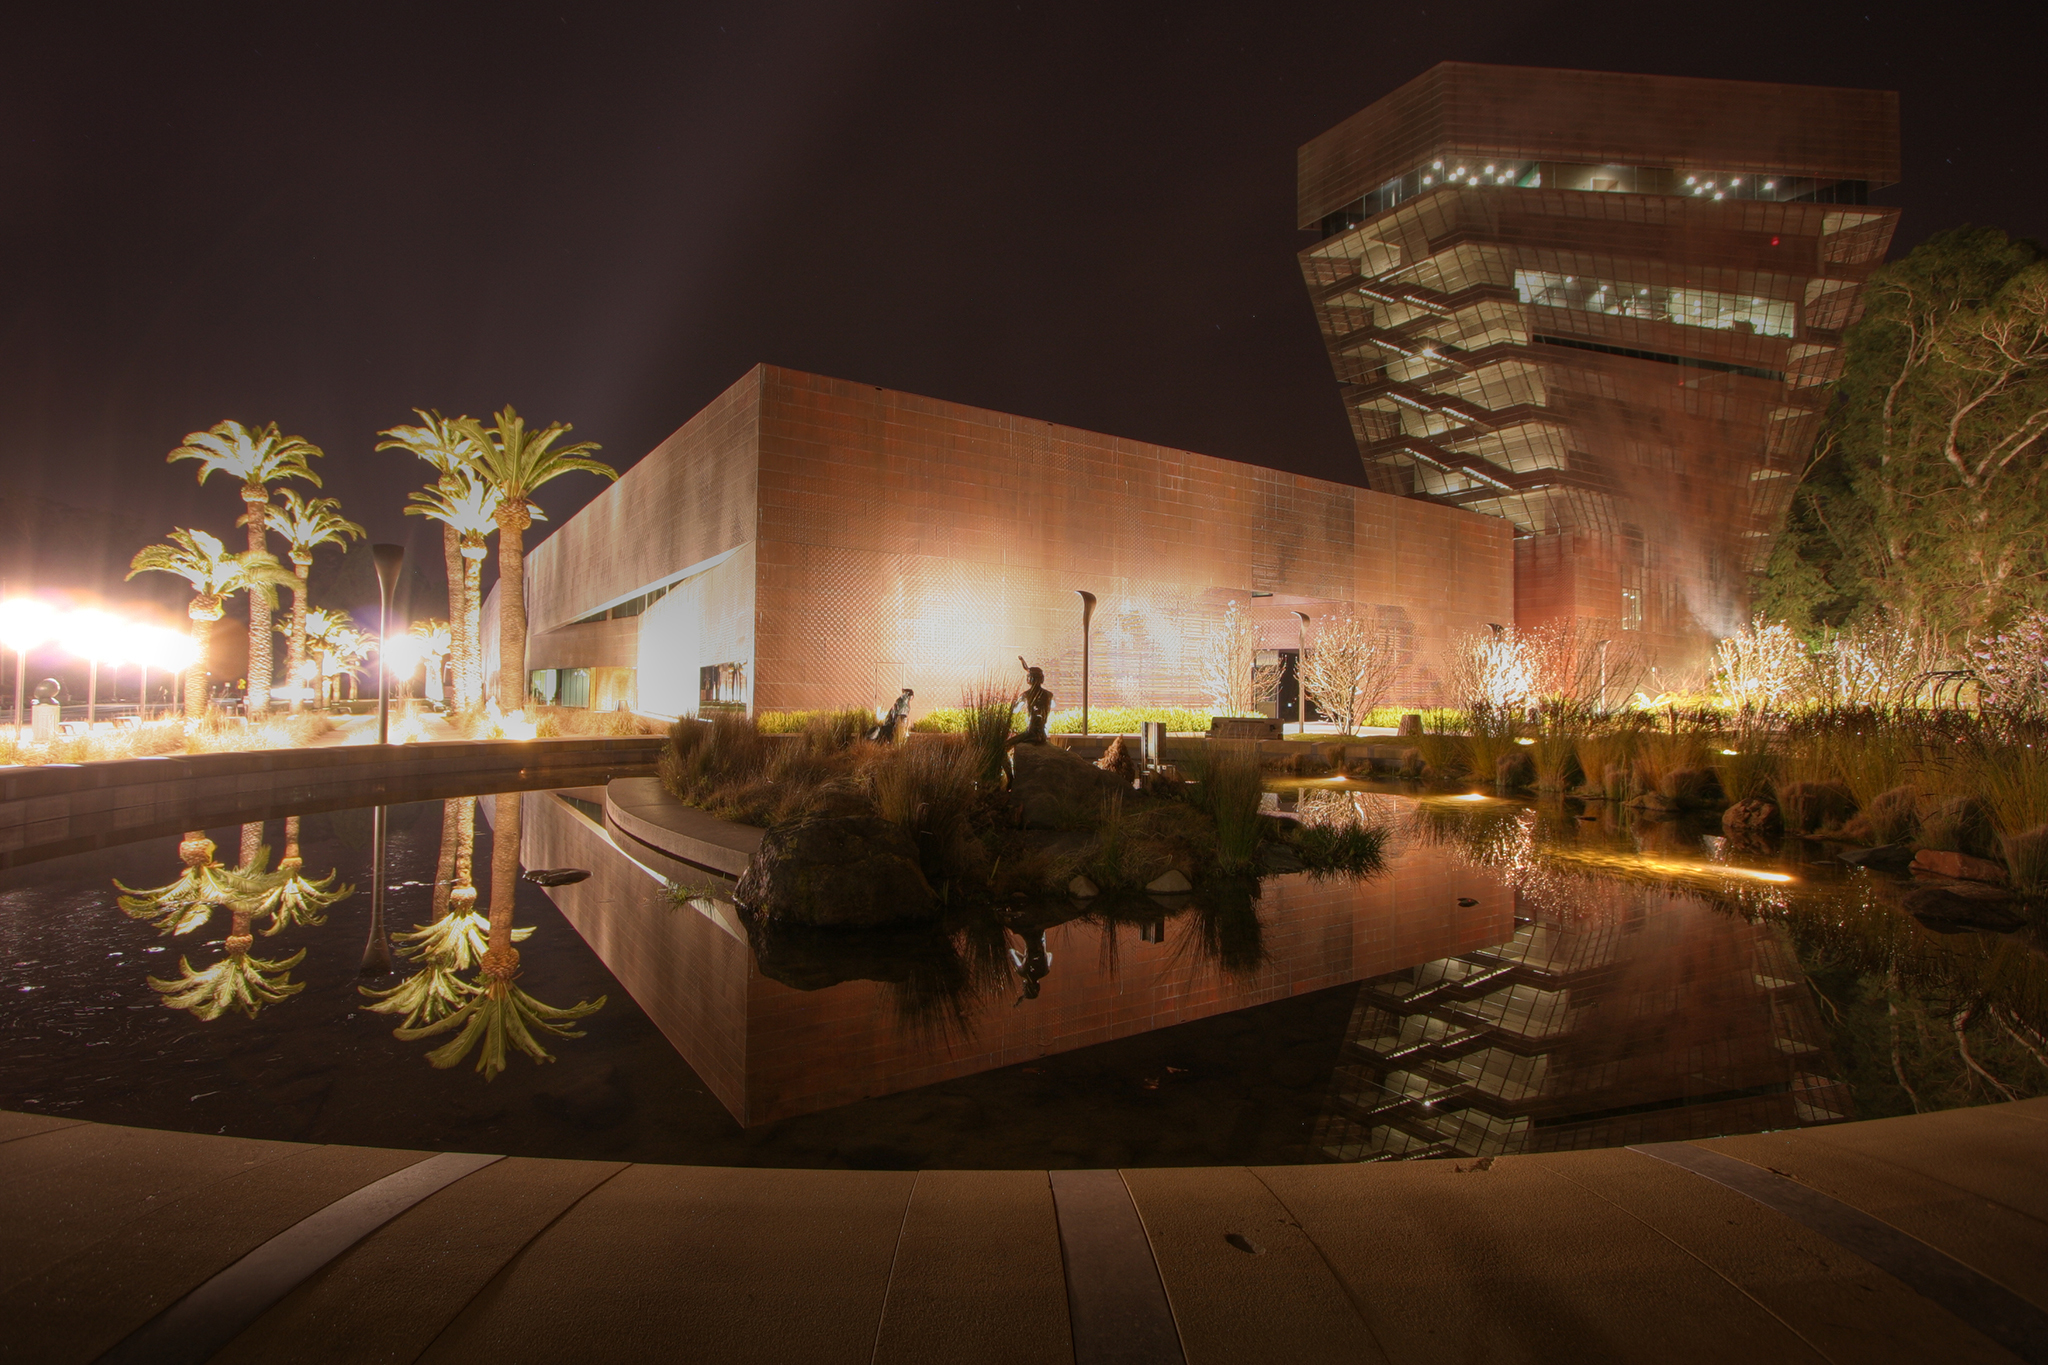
(258, 457)
(428, 996)
(497, 1015)
(237, 981)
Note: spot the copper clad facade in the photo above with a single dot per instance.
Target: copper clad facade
(1600, 307)
(824, 543)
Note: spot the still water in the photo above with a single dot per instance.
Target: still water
(1518, 978)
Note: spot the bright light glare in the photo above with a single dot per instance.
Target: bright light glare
(1729, 752)
(26, 623)
(97, 635)
(404, 653)
(1469, 796)
(1754, 875)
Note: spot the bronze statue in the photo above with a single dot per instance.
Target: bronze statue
(885, 732)
(1037, 703)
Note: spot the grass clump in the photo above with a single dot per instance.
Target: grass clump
(1228, 788)
(1356, 849)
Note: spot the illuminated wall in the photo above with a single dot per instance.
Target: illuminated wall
(1601, 307)
(809, 542)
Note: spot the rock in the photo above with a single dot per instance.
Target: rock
(1412, 763)
(1656, 803)
(1116, 761)
(555, 876)
(1894, 815)
(1961, 866)
(2026, 859)
(1053, 789)
(1755, 816)
(1961, 824)
(1809, 806)
(1082, 889)
(1410, 725)
(1882, 855)
(1691, 787)
(1952, 907)
(837, 871)
(1170, 882)
(1514, 770)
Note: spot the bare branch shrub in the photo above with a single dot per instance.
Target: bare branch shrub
(1763, 666)
(1350, 668)
(1231, 675)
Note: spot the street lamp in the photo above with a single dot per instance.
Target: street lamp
(1087, 615)
(388, 558)
(96, 635)
(24, 624)
(1300, 693)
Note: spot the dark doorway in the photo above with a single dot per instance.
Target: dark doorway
(1290, 700)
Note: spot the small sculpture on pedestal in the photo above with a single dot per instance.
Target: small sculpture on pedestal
(1037, 704)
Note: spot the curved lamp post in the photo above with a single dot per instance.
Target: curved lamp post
(1300, 692)
(1087, 615)
(388, 558)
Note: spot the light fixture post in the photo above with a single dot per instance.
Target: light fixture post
(1087, 615)
(20, 682)
(1300, 692)
(388, 558)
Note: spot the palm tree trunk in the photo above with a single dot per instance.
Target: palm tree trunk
(473, 626)
(458, 621)
(261, 654)
(501, 961)
(465, 840)
(252, 842)
(297, 655)
(511, 613)
(444, 871)
(195, 676)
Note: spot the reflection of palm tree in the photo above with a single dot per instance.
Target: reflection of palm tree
(258, 458)
(453, 942)
(498, 1012)
(296, 898)
(516, 462)
(237, 981)
(187, 903)
(306, 525)
(215, 575)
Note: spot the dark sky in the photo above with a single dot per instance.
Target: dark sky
(602, 214)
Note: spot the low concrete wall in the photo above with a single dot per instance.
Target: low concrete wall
(57, 809)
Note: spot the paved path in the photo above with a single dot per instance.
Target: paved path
(189, 1247)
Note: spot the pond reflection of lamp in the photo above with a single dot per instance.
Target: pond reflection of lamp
(377, 952)
(1087, 615)
(388, 558)
(24, 624)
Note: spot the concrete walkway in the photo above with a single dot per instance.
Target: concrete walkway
(1751, 1249)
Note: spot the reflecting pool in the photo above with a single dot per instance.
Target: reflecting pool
(1517, 977)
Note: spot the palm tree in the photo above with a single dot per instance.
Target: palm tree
(306, 524)
(439, 441)
(338, 646)
(181, 906)
(467, 508)
(215, 575)
(258, 458)
(436, 640)
(516, 462)
(296, 898)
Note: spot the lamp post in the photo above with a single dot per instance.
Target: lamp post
(24, 624)
(388, 558)
(1601, 645)
(1300, 693)
(1087, 615)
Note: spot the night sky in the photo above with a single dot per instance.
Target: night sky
(322, 216)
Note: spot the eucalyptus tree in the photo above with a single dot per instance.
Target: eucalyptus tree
(306, 524)
(516, 462)
(258, 459)
(467, 508)
(441, 443)
(216, 574)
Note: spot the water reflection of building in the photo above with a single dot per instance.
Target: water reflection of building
(1647, 1016)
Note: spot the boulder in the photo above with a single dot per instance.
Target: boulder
(1116, 761)
(1514, 770)
(1082, 889)
(1410, 725)
(1961, 866)
(1171, 882)
(1810, 806)
(1755, 816)
(1957, 907)
(1053, 789)
(1894, 816)
(1692, 787)
(1889, 856)
(1961, 824)
(1412, 763)
(837, 871)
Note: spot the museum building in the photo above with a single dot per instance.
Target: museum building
(1582, 324)
(1602, 307)
(806, 542)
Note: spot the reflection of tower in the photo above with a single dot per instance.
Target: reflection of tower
(1602, 307)
(1657, 1018)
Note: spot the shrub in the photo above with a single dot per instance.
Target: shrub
(1356, 849)
(2026, 860)
(987, 715)
(1894, 816)
(1228, 789)
(1102, 720)
(1960, 824)
(1812, 806)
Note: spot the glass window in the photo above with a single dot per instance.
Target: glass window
(722, 687)
(1746, 314)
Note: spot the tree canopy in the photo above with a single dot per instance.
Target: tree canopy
(1927, 501)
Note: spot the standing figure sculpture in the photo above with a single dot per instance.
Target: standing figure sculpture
(885, 732)
(1037, 704)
